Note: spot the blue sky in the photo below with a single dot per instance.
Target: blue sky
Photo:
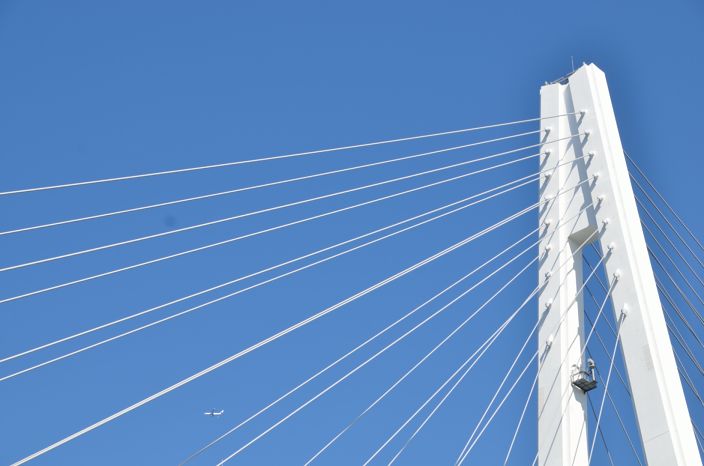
(97, 89)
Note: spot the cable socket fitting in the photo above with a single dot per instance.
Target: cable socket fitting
(625, 310)
(548, 342)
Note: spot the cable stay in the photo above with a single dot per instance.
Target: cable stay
(606, 385)
(184, 312)
(667, 204)
(674, 332)
(585, 349)
(432, 316)
(470, 362)
(288, 262)
(669, 241)
(405, 316)
(600, 432)
(496, 410)
(232, 294)
(138, 314)
(448, 381)
(620, 376)
(663, 291)
(520, 420)
(427, 319)
(554, 268)
(575, 338)
(272, 158)
(408, 373)
(245, 351)
(269, 184)
(559, 374)
(674, 264)
(567, 391)
(245, 236)
(665, 294)
(602, 343)
(449, 393)
(254, 347)
(614, 408)
(251, 287)
(624, 383)
(278, 207)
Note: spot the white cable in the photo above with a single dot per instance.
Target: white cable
(613, 405)
(326, 446)
(231, 240)
(520, 419)
(237, 238)
(249, 349)
(606, 385)
(387, 328)
(243, 352)
(661, 288)
(484, 348)
(463, 454)
(377, 354)
(675, 248)
(452, 376)
(271, 268)
(437, 406)
(474, 358)
(263, 185)
(589, 335)
(584, 347)
(395, 384)
(518, 355)
(268, 269)
(270, 158)
(257, 285)
(679, 271)
(501, 223)
(510, 370)
(213, 442)
(516, 359)
(501, 385)
(601, 435)
(662, 214)
(496, 410)
(258, 212)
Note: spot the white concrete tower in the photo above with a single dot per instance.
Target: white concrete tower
(602, 209)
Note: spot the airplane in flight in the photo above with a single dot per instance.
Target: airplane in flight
(214, 413)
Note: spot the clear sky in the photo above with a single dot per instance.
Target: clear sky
(99, 89)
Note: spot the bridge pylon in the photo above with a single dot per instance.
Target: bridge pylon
(601, 211)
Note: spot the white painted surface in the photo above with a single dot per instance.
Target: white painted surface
(659, 402)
